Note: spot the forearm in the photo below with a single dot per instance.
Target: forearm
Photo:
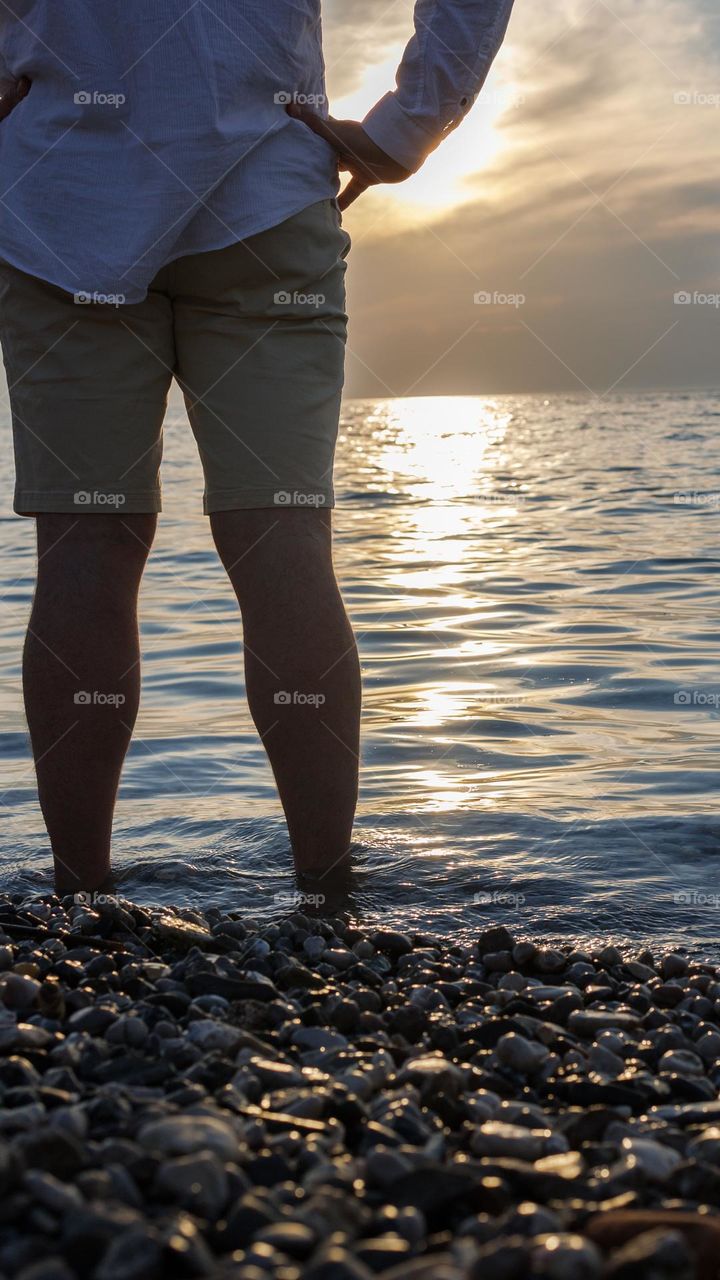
(442, 71)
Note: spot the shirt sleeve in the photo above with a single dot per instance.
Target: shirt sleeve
(442, 72)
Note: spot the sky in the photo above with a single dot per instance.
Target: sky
(581, 194)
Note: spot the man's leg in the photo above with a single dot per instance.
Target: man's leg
(81, 675)
(298, 643)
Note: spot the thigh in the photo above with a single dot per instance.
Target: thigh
(88, 384)
(260, 338)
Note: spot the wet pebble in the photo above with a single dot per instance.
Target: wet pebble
(182, 1134)
(519, 1053)
(191, 1094)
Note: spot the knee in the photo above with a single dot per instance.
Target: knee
(259, 547)
(107, 549)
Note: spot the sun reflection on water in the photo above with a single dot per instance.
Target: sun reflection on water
(446, 459)
(437, 446)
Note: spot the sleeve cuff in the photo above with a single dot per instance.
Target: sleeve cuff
(392, 129)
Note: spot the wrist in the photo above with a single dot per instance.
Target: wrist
(405, 141)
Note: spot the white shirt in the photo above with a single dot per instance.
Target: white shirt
(157, 128)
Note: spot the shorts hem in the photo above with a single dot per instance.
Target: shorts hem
(278, 499)
(28, 502)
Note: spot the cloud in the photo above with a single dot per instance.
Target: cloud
(358, 35)
(598, 206)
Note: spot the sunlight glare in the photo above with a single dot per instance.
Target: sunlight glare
(438, 445)
(442, 182)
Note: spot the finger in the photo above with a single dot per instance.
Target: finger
(11, 93)
(355, 187)
(8, 97)
(318, 124)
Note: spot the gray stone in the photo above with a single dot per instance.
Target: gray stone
(640, 972)
(291, 1238)
(340, 960)
(185, 1135)
(209, 1034)
(129, 1030)
(673, 966)
(318, 1038)
(496, 938)
(18, 991)
(513, 982)
(53, 1151)
(683, 1062)
(566, 1257)
(521, 1054)
(658, 1253)
(604, 1062)
(197, 1183)
(384, 1166)
(524, 953)
(495, 1138)
(46, 1269)
(657, 1161)
(706, 1146)
(314, 947)
(428, 999)
(275, 1075)
(337, 1264)
(136, 1254)
(391, 942)
(548, 960)
(586, 1022)
(433, 1076)
(59, 1197)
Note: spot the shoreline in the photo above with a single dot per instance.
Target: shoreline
(185, 1094)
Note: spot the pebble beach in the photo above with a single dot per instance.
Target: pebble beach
(194, 1094)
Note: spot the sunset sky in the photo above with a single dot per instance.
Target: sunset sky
(585, 180)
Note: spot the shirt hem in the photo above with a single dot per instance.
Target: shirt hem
(273, 221)
(135, 296)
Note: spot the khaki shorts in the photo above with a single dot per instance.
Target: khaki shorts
(254, 335)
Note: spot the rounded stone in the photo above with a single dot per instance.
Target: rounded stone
(184, 1135)
(522, 1055)
(17, 991)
